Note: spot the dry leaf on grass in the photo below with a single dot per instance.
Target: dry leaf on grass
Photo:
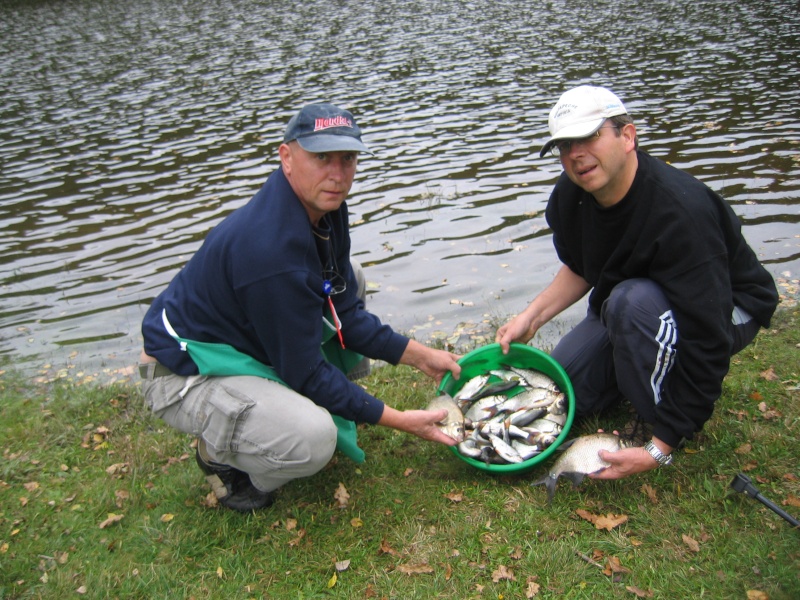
(608, 522)
(385, 548)
(503, 573)
(112, 518)
(769, 375)
(454, 496)
(650, 493)
(421, 569)
(638, 592)
(531, 587)
(301, 533)
(691, 543)
(791, 501)
(341, 496)
(614, 566)
(342, 565)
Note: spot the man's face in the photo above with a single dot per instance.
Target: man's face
(604, 164)
(321, 181)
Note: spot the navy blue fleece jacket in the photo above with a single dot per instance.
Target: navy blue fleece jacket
(256, 284)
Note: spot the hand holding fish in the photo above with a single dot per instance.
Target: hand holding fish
(422, 423)
(629, 461)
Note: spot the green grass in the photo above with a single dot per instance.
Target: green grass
(418, 523)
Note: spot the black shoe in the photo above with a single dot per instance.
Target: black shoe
(232, 487)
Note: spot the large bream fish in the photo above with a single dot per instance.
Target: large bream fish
(453, 423)
(580, 458)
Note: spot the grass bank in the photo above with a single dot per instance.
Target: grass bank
(100, 500)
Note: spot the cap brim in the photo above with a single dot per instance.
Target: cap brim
(573, 132)
(332, 143)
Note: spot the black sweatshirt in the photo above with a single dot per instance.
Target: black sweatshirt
(674, 230)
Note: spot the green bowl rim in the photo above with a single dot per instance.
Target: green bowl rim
(531, 462)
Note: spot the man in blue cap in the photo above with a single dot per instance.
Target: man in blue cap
(675, 288)
(250, 346)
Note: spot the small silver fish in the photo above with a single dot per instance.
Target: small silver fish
(453, 423)
(579, 459)
(534, 378)
(471, 387)
(484, 408)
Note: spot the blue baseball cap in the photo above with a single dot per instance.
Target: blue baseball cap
(324, 127)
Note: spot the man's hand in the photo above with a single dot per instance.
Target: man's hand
(625, 462)
(629, 461)
(421, 423)
(434, 363)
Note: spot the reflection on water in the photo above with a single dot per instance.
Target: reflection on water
(130, 129)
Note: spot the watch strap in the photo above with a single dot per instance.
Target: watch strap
(662, 459)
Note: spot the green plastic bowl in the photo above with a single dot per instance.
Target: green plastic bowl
(491, 357)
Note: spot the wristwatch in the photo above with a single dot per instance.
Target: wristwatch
(662, 459)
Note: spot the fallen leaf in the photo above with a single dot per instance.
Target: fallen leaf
(650, 492)
(503, 573)
(81, 590)
(301, 533)
(112, 518)
(408, 472)
(454, 496)
(532, 588)
(756, 595)
(356, 522)
(121, 496)
(744, 449)
(167, 517)
(342, 565)
(117, 469)
(769, 375)
(691, 543)
(31, 486)
(607, 522)
(341, 495)
(220, 573)
(613, 565)
(291, 524)
(385, 548)
(420, 569)
(332, 580)
(639, 593)
(791, 501)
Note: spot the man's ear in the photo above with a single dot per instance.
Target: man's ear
(285, 154)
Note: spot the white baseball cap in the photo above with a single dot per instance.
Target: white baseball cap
(580, 112)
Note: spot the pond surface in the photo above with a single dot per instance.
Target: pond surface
(129, 129)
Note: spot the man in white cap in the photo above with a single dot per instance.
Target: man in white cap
(250, 346)
(675, 288)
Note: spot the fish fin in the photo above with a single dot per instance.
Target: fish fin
(564, 445)
(550, 484)
(575, 478)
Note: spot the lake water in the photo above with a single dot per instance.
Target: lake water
(129, 129)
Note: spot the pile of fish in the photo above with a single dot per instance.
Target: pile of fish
(504, 416)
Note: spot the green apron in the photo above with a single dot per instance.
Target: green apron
(222, 360)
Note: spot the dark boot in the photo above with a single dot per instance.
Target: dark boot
(232, 487)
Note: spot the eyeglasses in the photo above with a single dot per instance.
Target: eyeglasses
(564, 146)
